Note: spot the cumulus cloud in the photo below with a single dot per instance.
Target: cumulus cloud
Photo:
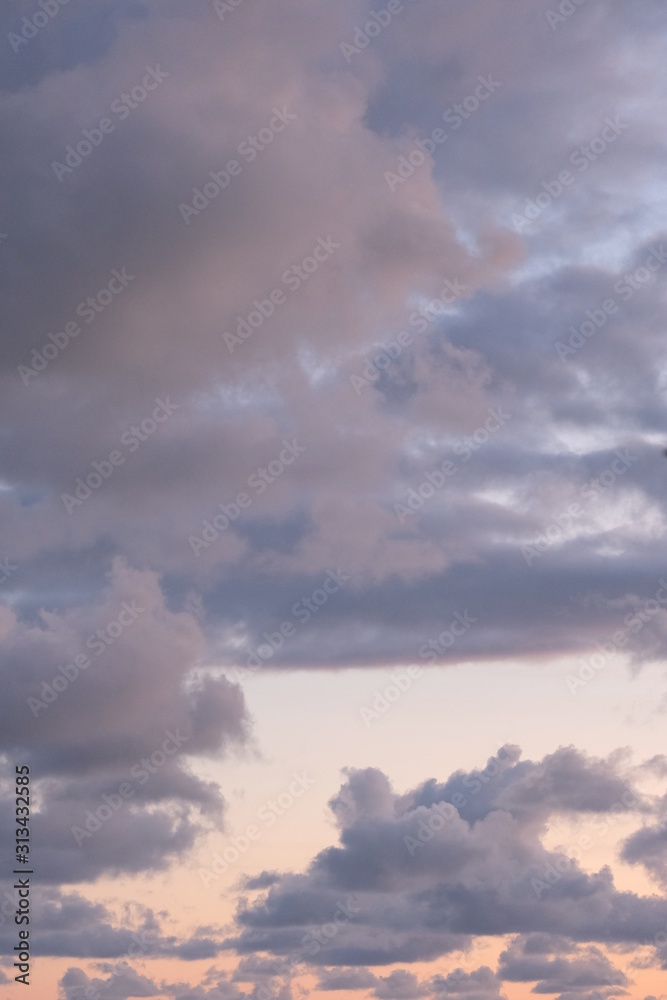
(535, 957)
(399, 985)
(648, 847)
(83, 683)
(264, 880)
(416, 877)
(109, 705)
(71, 925)
(481, 984)
(124, 984)
(346, 979)
(420, 875)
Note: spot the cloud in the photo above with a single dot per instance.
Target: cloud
(648, 847)
(566, 781)
(399, 985)
(101, 708)
(170, 336)
(581, 970)
(112, 758)
(125, 983)
(419, 877)
(71, 925)
(346, 979)
(481, 984)
(416, 878)
(323, 177)
(262, 881)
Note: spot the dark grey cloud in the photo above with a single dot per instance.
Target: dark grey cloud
(346, 979)
(563, 782)
(648, 847)
(162, 335)
(399, 985)
(264, 880)
(581, 970)
(70, 37)
(419, 875)
(416, 876)
(125, 983)
(580, 387)
(481, 984)
(71, 925)
(112, 761)
(82, 684)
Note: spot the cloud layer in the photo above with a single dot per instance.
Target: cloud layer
(334, 337)
(551, 502)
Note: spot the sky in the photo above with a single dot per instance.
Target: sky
(333, 600)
